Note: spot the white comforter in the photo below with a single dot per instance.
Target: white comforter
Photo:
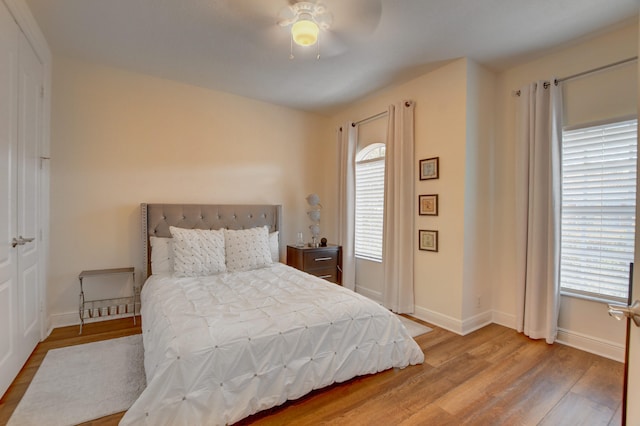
(220, 348)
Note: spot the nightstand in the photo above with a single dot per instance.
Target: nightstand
(323, 262)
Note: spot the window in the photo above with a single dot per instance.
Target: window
(598, 209)
(369, 202)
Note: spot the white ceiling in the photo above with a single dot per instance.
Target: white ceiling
(235, 45)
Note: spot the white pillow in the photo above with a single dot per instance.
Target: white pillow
(274, 247)
(161, 255)
(247, 249)
(197, 252)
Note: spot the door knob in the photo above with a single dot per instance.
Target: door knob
(20, 241)
(632, 311)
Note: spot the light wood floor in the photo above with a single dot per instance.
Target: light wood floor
(494, 376)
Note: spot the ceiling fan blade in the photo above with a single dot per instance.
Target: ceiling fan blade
(331, 44)
(251, 12)
(354, 19)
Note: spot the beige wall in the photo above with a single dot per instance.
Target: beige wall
(477, 288)
(119, 139)
(440, 131)
(597, 97)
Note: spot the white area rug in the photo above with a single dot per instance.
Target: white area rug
(415, 329)
(84, 382)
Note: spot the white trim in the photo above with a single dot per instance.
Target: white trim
(461, 327)
(602, 347)
(595, 123)
(583, 342)
(376, 296)
(443, 321)
(64, 320)
(72, 318)
(597, 346)
(592, 298)
(476, 322)
(29, 27)
(504, 319)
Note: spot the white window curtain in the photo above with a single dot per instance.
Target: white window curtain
(398, 232)
(538, 201)
(346, 136)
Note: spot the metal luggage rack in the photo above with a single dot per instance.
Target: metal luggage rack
(111, 306)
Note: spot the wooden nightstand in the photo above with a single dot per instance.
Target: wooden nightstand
(323, 262)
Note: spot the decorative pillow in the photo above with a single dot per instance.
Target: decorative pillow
(197, 252)
(247, 249)
(274, 247)
(161, 255)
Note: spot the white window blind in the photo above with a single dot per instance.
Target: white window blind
(369, 212)
(598, 209)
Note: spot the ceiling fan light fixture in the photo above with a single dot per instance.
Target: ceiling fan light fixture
(305, 32)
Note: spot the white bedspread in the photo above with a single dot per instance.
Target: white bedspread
(220, 348)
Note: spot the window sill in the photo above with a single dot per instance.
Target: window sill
(596, 299)
(368, 259)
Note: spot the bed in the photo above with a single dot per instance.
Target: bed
(221, 347)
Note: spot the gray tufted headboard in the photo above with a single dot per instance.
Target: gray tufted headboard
(156, 219)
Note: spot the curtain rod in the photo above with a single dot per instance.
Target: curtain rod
(583, 73)
(371, 118)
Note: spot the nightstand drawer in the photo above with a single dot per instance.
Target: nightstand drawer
(320, 260)
(327, 274)
(323, 262)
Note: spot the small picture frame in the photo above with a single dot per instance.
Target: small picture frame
(428, 205)
(429, 168)
(428, 240)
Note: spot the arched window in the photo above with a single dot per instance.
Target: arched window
(369, 202)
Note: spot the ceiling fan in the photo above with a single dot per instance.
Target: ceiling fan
(306, 19)
(339, 24)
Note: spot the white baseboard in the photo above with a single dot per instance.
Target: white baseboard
(72, 318)
(64, 320)
(506, 320)
(376, 296)
(443, 321)
(597, 346)
(476, 322)
(454, 325)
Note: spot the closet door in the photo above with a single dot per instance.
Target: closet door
(10, 362)
(21, 102)
(30, 80)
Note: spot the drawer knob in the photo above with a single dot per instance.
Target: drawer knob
(320, 259)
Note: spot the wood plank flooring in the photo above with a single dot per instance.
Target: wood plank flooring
(493, 376)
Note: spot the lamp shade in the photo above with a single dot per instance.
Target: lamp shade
(313, 200)
(305, 32)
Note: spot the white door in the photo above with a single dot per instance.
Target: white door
(21, 76)
(9, 361)
(30, 101)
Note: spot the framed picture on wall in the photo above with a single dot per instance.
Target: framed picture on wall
(428, 240)
(428, 205)
(429, 168)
